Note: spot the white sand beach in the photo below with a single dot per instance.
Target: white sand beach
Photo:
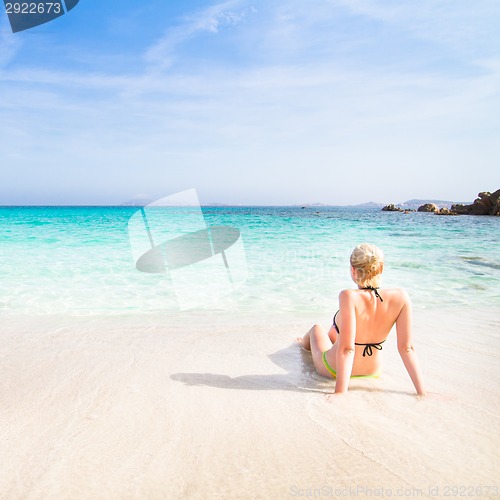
(226, 406)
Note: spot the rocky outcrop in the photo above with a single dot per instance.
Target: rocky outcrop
(445, 211)
(496, 209)
(392, 208)
(431, 207)
(428, 207)
(486, 203)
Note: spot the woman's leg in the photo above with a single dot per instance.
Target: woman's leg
(305, 341)
(317, 341)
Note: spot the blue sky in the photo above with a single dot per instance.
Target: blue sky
(252, 102)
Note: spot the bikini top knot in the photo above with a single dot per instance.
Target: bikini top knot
(374, 289)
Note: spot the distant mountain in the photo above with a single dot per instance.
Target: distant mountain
(417, 203)
(369, 204)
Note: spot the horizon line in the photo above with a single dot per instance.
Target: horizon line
(217, 204)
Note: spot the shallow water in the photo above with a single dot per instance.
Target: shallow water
(78, 260)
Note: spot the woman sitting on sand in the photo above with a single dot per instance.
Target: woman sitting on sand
(352, 346)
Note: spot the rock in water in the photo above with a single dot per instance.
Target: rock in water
(446, 211)
(486, 203)
(428, 207)
(391, 208)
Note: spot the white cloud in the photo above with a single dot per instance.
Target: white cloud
(460, 25)
(162, 53)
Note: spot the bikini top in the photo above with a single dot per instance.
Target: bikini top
(368, 350)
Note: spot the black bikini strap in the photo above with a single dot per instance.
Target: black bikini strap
(374, 289)
(368, 350)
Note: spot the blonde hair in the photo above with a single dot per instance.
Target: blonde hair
(368, 262)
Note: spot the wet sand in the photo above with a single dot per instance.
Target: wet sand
(211, 405)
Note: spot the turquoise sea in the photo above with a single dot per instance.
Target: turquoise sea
(78, 260)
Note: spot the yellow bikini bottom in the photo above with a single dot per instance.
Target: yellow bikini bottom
(334, 373)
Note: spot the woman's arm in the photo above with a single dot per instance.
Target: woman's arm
(405, 345)
(345, 342)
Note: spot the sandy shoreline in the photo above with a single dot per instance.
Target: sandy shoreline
(211, 405)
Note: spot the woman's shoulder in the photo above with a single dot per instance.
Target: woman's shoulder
(398, 297)
(391, 292)
(347, 293)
